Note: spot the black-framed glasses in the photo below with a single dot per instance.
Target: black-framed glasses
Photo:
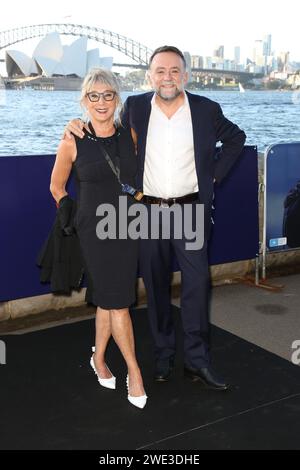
(95, 96)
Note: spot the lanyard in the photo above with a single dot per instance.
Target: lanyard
(114, 168)
(126, 188)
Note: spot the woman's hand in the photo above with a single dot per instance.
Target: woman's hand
(75, 126)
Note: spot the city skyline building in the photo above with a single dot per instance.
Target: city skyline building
(267, 48)
(188, 61)
(237, 54)
(196, 61)
(258, 52)
(219, 52)
(283, 61)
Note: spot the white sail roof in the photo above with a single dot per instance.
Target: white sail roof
(18, 63)
(50, 47)
(106, 62)
(50, 58)
(93, 59)
(75, 58)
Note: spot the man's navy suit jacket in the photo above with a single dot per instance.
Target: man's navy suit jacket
(209, 127)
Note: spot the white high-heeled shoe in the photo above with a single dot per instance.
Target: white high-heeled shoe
(140, 401)
(107, 383)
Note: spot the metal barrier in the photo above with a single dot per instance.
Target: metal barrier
(281, 175)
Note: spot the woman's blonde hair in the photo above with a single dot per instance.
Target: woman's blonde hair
(105, 77)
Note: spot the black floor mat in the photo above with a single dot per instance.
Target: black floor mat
(50, 397)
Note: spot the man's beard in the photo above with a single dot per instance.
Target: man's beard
(168, 97)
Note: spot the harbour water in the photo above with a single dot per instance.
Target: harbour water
(32, 121)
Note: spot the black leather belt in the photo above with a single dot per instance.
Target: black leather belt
(170, 201)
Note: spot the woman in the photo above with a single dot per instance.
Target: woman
(110, 263)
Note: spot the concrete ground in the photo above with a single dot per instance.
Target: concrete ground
(266, 318)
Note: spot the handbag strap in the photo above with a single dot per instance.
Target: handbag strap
(114, 168)
(126, 188)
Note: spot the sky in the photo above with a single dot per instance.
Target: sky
(192, 25)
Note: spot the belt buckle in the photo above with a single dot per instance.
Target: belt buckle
(164, 204)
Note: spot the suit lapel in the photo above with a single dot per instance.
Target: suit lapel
(197, 126)
(141, 123)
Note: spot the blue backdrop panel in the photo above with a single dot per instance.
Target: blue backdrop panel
(282, 175)
(235, 234)
(27, 212)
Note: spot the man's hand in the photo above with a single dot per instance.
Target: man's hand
(75, 126)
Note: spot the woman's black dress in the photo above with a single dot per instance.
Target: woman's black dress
(111, 264)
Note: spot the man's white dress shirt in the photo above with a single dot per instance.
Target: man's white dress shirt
(170, 169)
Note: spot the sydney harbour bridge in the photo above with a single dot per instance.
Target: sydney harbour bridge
(134, 50)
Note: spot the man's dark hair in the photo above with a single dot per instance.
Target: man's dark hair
(173, 49)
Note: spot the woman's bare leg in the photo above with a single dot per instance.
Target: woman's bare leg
(103, 333)
(122, 332)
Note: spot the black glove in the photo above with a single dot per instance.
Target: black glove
(65, 214)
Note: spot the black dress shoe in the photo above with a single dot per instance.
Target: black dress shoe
(207, 377)
(163, 369)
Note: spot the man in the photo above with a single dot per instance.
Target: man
(176, 134)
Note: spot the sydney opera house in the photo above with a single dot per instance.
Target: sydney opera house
(51, 59)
